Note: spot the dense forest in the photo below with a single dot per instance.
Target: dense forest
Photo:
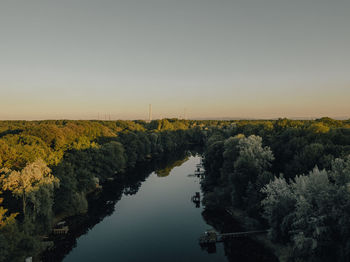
(49, 167)
(292, 176)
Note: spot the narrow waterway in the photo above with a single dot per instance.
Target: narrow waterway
(158, 223)
(149, 216)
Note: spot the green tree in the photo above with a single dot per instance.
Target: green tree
(5, 219)
(250, 166)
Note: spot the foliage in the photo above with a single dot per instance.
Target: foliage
(311, 211)
(240, 157)
(27, 182)
(4, 218)
(237, 168)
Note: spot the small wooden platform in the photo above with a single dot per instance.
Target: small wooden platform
(60, 231)
(61, 228)
(196, 197)
(209, 237)
(199, 173)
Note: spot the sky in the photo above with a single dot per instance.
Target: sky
(84, 59)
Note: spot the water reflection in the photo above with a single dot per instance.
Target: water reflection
(165, 171)
(146, 218)
(102, 204)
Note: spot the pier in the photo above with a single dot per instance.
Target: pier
(199, 171)
(212, 237)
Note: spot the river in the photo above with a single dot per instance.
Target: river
(158, 222)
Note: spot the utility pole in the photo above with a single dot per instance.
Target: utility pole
(150, 113)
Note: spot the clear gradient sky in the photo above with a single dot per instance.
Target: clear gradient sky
(217, 58)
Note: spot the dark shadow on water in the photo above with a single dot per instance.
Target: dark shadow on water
(102, 203)
(238, 249)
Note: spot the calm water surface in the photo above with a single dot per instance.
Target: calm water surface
(159, 223)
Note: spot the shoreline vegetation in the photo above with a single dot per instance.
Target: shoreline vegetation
(267, 168)
(281, 251)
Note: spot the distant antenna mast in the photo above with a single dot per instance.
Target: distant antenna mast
(185, 111)
(150, 113)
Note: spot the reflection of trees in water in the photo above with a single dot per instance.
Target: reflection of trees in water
(102, 204)
(166, 171)
(239, 249)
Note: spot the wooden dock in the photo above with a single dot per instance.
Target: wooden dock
(61, 231)
(212, 237)
(199, 174)
(61, 228)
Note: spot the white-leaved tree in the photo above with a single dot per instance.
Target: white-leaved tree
(26, 182)
(312, 211)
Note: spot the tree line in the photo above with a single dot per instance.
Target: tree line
(47, 168)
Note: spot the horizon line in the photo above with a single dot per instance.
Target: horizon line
(341, 118)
